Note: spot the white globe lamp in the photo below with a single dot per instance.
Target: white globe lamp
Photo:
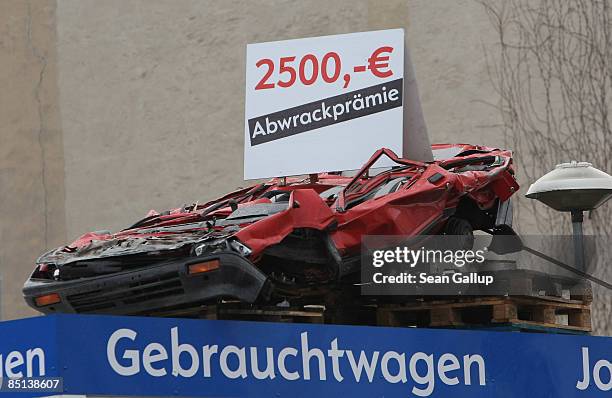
(573, 187)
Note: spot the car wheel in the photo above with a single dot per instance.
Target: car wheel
(462, 232)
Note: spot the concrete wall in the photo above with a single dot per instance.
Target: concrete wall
(150, 98)
(152, 92)
(111, 108)
(32, 214)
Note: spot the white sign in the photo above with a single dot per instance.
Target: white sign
(322, 103)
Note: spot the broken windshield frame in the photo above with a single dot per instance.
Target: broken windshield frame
(341, 201)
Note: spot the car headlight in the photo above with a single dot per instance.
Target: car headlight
(199, 249)
(240, 247)
(209, 246)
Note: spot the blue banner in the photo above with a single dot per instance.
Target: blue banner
(104, 355)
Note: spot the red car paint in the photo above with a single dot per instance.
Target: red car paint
(289, 237)
(408, 211)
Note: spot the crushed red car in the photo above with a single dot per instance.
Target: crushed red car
(294, 239)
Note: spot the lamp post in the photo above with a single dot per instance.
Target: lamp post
(573, 187)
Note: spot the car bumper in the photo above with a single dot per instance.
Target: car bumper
(147, 290)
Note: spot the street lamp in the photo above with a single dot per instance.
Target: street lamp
(573, 187)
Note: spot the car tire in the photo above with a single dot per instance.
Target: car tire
(462, 232)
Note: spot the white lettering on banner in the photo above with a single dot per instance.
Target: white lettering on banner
(422, 370)
(286, 120)
(598, 370)
(428, 379)
(442, 369)
(335, 354)
(177, 350)
(269, 371)
(401, 365)
(370, 367)
(239, 353)
(282, 367)
(132, 355)
(208, 352)
(468, 360)
(153, 353)
(12, 364)
(307, 355)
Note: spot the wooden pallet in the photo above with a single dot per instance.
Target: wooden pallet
(542, 285)
(364, 315)
(534, 314)
(547, 314)
(359, 315)
(241, 312)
